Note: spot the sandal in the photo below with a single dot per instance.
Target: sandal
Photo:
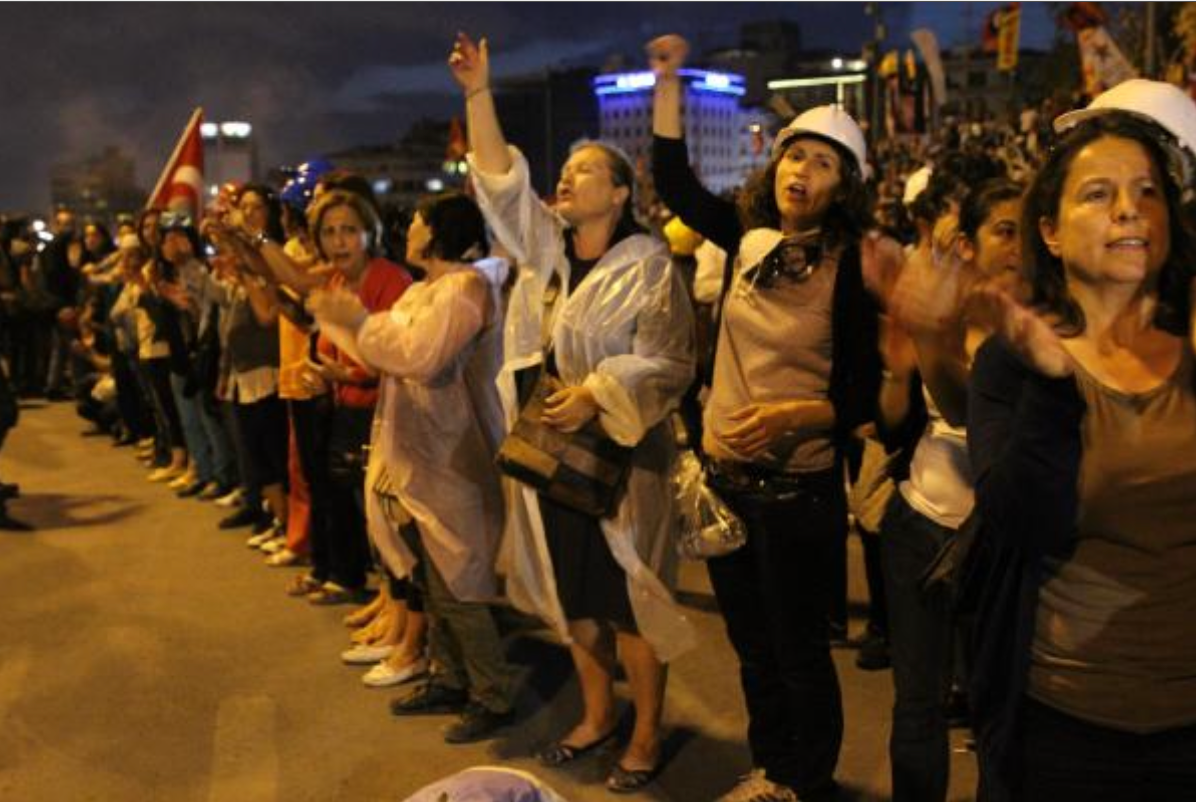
(559, 753)
(303, 585)
(628, 781)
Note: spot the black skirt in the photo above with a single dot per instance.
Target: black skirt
(589, 582)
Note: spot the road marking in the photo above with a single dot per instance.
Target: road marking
(244, 752)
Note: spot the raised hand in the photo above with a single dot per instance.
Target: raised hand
(666, 55)
(470, 63)
(929, 294)
(1031, 336)
(881, 262)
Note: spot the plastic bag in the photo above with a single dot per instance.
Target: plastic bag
(708, 526)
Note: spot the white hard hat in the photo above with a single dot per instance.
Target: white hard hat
(828, 122)
(1162, 103)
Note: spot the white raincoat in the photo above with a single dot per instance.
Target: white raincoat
(626, 333)
(438, 426)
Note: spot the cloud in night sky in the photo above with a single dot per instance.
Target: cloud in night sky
(314, 77)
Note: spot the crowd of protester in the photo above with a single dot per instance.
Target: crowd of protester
(973, 349)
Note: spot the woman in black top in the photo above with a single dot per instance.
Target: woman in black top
(779, 414)
(1082, 439)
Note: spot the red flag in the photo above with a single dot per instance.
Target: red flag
(992, 29)
(180, 187)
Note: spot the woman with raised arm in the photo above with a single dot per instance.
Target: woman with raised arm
(598, 301)
(1082, 433)
(796, 372)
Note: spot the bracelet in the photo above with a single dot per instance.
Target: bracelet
(477, 91)
(258, 240)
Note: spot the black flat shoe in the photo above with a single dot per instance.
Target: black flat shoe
(628, 781)
(430, 699)
(559, 753)
(477, 723)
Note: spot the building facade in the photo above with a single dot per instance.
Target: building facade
(717, 129)
(98, 187)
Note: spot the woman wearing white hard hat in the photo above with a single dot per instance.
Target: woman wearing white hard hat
(1082, 433)
(796, 371)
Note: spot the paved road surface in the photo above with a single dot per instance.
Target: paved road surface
(145, 655)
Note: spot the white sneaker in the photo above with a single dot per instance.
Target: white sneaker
(383, 676)
(274, 544)
(363, 655)
(257, 541)
(755, 787)
(231, 499)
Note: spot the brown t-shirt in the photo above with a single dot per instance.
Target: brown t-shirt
(1115, 637)
(775, 345)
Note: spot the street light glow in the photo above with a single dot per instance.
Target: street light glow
(236, 130)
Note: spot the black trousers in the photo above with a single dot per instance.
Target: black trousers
(775, 595)
(1066, 759)
(312, 420)
(347, 542)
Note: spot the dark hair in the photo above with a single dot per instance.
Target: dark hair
(339, 197)
(458, 228)
(847, 217)
(1044, 272)
(107, 246)
(274, 229)
(955, 174)
(141, 216)
(979, 203)
(188, 230)
(622, 174)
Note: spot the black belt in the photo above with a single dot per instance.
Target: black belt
(759, 481)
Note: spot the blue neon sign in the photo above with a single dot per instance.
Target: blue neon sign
(703, 80)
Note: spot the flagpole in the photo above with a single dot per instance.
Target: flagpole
(195, 115)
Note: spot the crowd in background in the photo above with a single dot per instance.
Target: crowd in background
(973, 349)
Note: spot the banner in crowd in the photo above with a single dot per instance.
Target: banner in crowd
(1009, 23)
(1101, 61)
(928, 45)
(906, 93)
(180, 186)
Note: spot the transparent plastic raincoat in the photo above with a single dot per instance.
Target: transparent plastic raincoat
(626, 333)
(438, 425)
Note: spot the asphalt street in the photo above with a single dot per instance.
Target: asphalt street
(145, 655)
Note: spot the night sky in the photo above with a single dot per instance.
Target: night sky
(75, 78)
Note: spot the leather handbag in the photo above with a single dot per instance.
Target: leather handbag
(583, 470)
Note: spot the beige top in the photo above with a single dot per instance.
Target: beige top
(775, 345)
(1115, 639)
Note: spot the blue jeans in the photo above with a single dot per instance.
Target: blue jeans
(206, 439)
(920, 638)
(193, 433)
